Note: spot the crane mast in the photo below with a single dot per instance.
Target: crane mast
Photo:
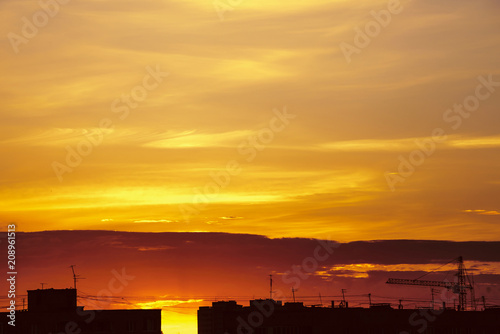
(462, 287)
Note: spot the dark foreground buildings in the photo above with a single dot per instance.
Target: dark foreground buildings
(55, 311)
(271, 317)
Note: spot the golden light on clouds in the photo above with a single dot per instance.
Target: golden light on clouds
(362, 270)
(160, 304)
(484, 212)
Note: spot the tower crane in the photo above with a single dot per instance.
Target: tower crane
(460, 287)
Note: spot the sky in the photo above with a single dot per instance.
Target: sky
(87, 146)
(338, 120)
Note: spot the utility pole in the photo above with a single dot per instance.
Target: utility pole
(472, 293)
(432, 295)
(271, 287)
(370, 299)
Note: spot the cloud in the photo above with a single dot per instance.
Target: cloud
(153, 221)
(363, 270)
(227, 139)
(483, 212)
(389, 255)
(149, 249)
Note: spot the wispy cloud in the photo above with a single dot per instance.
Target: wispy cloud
(192, 139)
(153, 221)
(483, 212)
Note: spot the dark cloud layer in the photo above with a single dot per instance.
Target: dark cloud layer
(212, 263)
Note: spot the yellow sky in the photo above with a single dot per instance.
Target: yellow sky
(303, 140)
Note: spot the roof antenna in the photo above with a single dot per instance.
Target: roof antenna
(343, 302)
(43, 284)
(75, 276)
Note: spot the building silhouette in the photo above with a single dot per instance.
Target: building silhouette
(266, 316)
(55, 311)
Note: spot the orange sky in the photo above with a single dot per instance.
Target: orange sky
(322, 171)
(199, 116)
